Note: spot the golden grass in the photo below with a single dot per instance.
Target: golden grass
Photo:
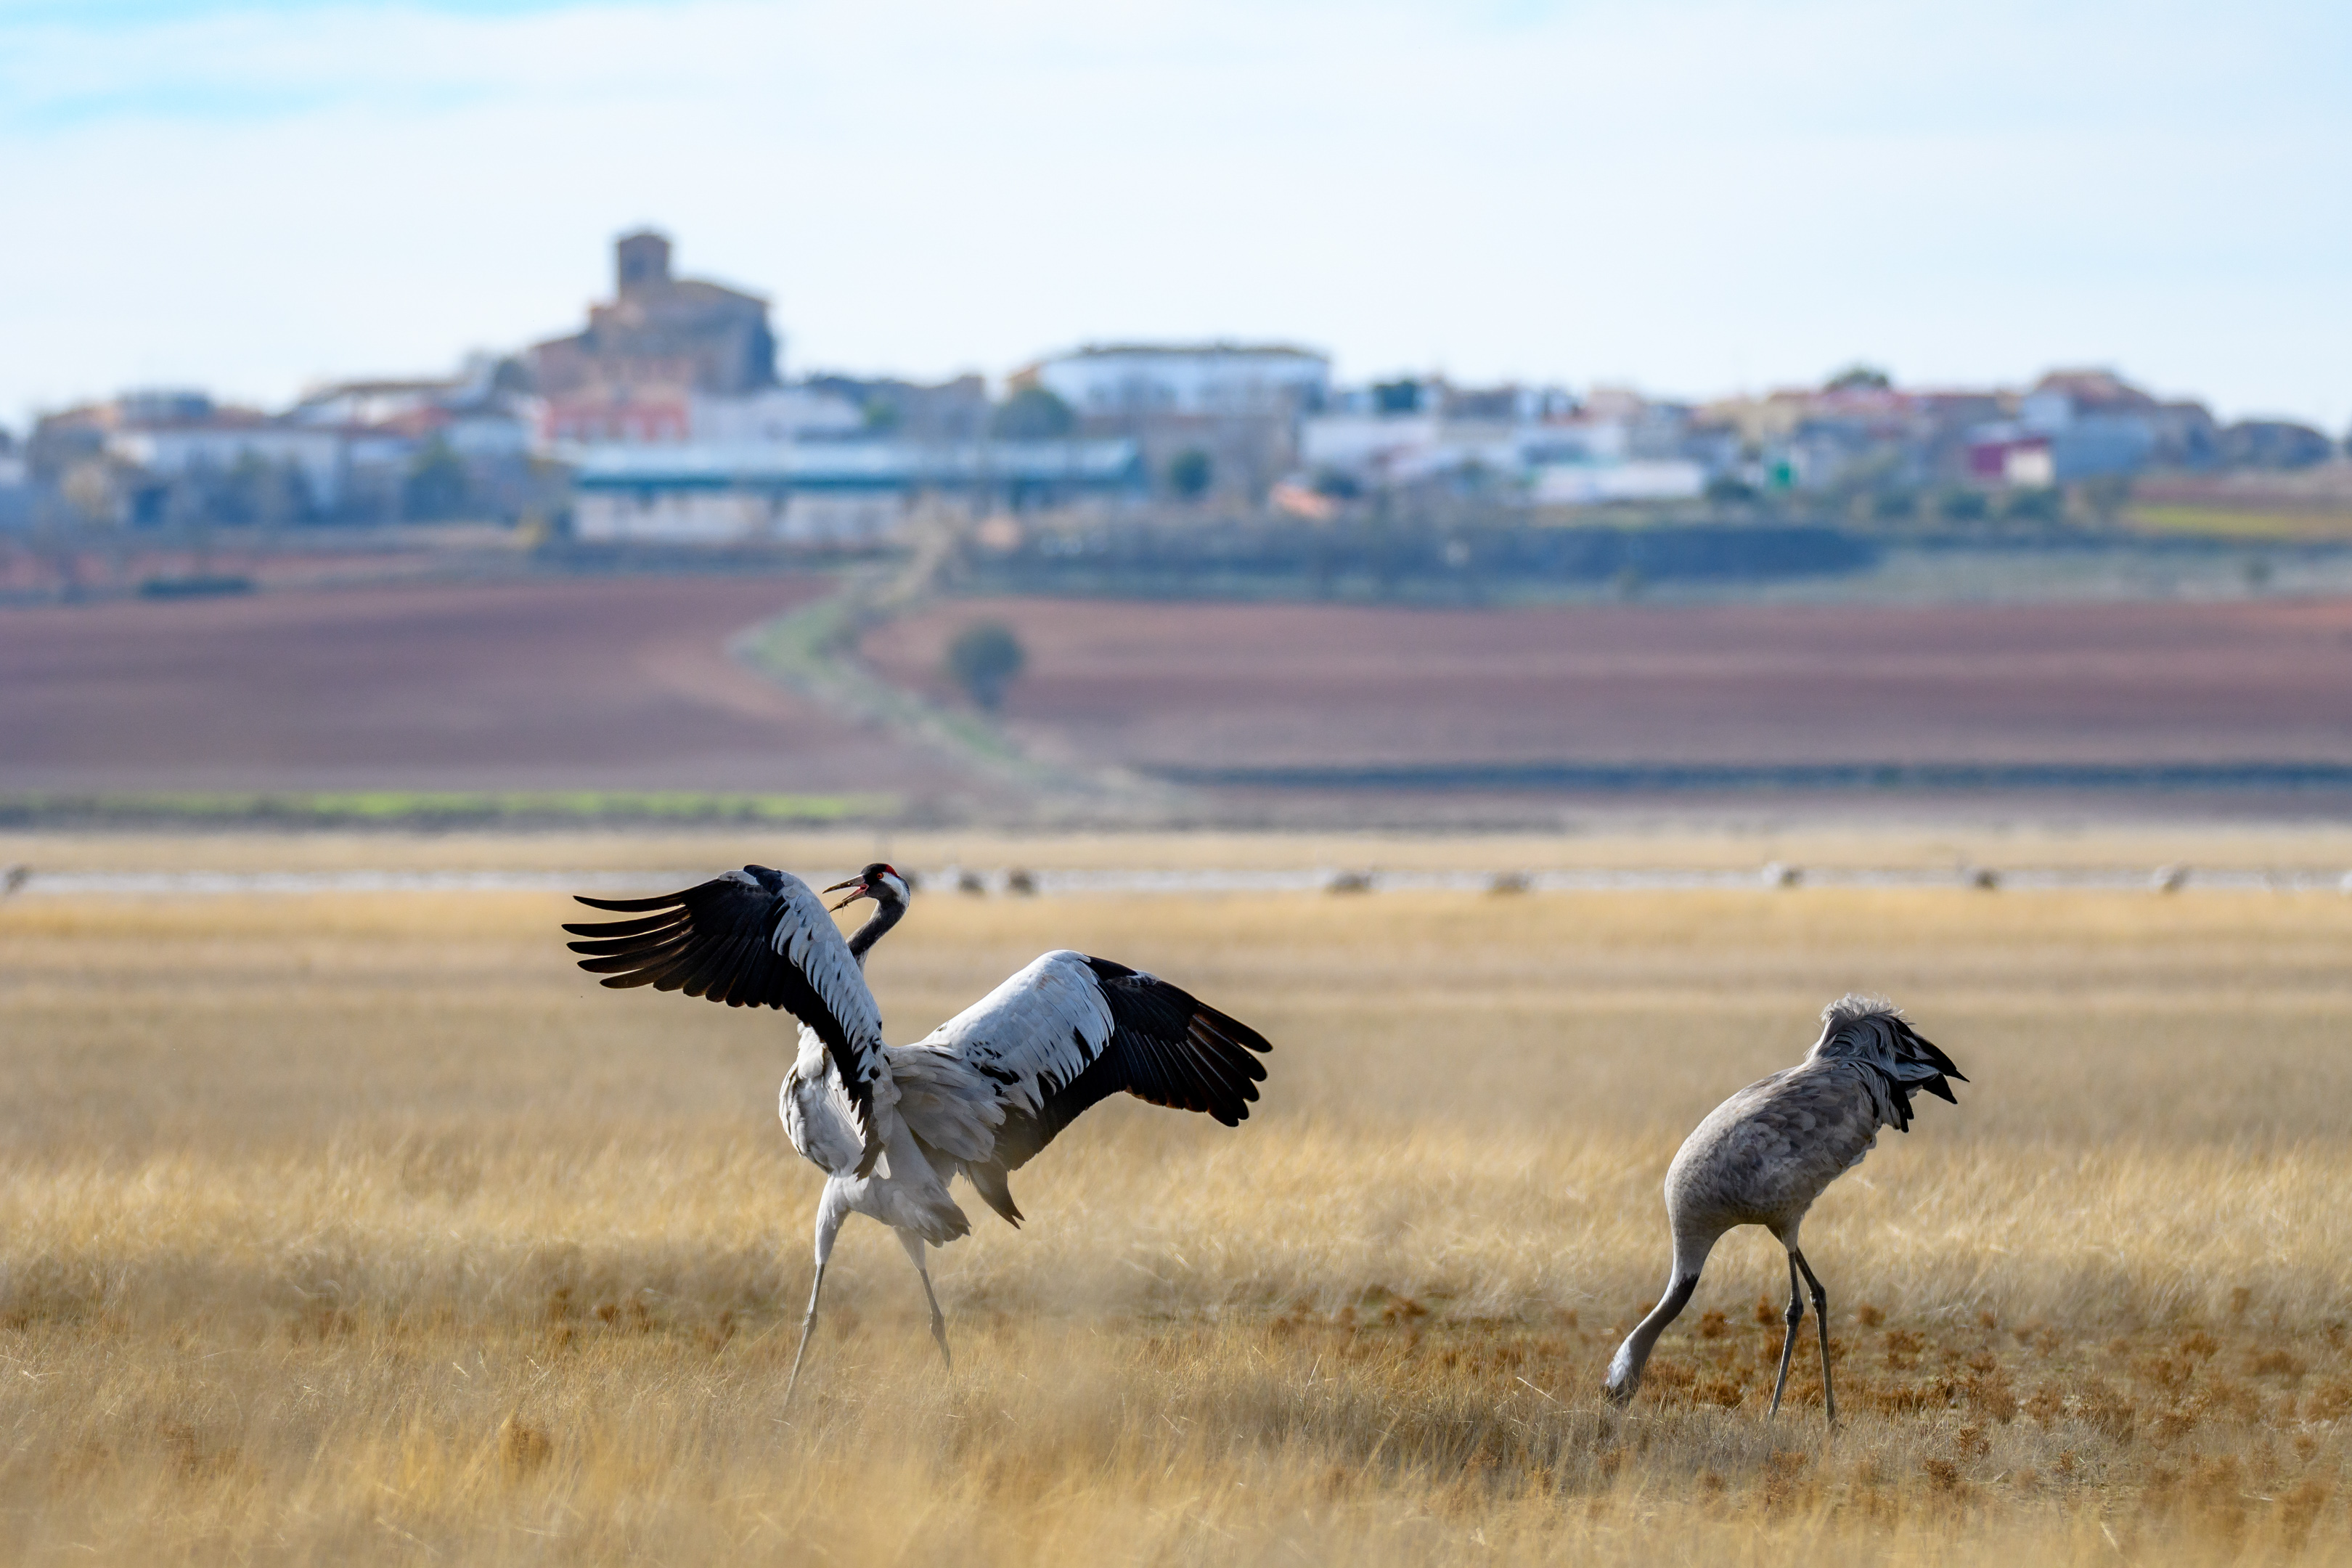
(365, 1228)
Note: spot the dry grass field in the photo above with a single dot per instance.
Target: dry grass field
(364, 1229)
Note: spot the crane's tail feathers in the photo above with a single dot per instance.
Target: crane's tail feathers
(988, 1179)
(939, 1221)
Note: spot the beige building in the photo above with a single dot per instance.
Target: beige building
(1237, 406)
(647, 352)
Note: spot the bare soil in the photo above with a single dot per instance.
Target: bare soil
(611, 684)
(1191, 685)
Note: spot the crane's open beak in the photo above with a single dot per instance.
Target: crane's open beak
(861, 889)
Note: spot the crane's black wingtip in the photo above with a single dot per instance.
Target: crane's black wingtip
(630, 906)
(1234, 1031)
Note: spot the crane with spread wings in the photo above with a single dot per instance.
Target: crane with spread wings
(891, 1126)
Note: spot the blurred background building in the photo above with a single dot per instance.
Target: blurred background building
(669, 417)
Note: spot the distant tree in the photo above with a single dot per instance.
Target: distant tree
(285, 495)
(1396, 397)
(882, 415)
(1729, 489)
(2034, 504)
(2102, 498)
(1859, 378)
(1032, 414)
(237, 493)
(89, 489)
(1190, 472)
(1961, 504)
(1893, 504)
(2272, 443)
(435, 486)
(983, 660)
(512, 374)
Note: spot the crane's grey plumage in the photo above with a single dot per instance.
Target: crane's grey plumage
(892, 1126)
(994, 1084)
(1764, 1155)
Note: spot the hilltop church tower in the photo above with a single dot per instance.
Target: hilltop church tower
(650, 348)
(640, 259)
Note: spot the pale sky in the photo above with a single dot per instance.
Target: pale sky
(1694, 197)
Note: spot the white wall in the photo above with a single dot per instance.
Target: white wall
(1204, 381)
(1352, 440)
(319, 453)
(844, 516)
(737, 517)
(779, 413)
(1409, 445)
(1581, 484)
(670, 517)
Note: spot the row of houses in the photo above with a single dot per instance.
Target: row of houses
(666, 417)
(360, 451)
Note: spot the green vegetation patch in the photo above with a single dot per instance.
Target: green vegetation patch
(440, 807)
(813, 651)
(2239, 522)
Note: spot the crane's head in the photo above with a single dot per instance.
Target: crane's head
(878, 882)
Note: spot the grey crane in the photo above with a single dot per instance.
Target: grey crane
(891, 1126)
(1764, 1155)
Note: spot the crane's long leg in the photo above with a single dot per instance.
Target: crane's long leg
(1789, 1342)
(828, 1226)
(807, 1323)
(1821, 1315)
(913, 1246)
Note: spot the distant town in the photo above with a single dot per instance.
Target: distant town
(668, 420)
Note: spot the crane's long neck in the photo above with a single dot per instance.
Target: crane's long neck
(1625, 1368)
(889, 909)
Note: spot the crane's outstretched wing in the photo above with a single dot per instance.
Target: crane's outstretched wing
(1070, 1030)
(753, 938)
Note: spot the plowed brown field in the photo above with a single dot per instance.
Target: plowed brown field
(611, 684)
(1286, 685)
(624, 684)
